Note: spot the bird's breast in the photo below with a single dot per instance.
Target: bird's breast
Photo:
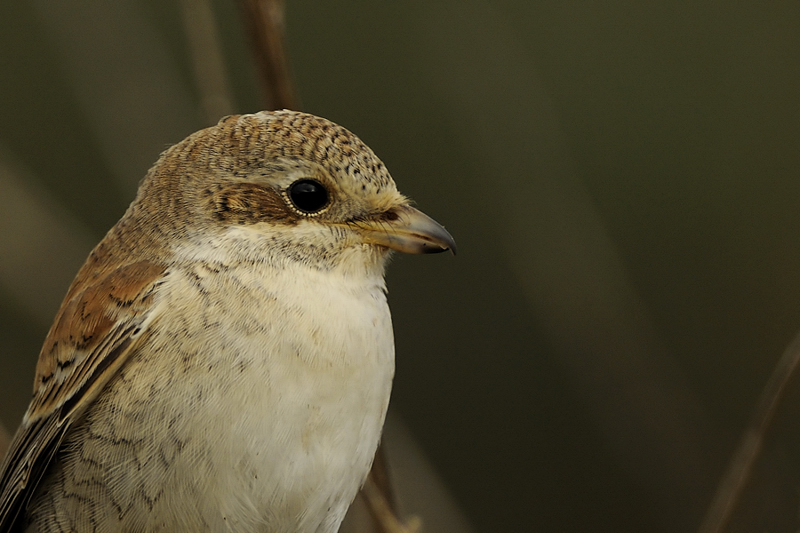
(265, 393)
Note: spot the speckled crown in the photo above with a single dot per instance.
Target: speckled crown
(241, 143)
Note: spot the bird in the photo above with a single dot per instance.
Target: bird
(224, 358)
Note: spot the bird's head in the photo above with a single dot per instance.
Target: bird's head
(291, 187)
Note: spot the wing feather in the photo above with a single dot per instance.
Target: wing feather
(98, 326)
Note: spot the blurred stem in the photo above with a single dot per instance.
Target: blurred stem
(381, 503)
(378, 495)
(739, 469)
(5, 440)
(207, 59)
(265, 23)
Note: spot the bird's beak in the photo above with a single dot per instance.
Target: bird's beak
(407, 230)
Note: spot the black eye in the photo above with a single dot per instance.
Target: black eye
(308, 196)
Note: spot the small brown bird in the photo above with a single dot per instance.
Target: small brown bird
(223, 359)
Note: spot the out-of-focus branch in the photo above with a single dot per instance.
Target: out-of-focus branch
(207, 59)
(380, 500)
(386, 519)
(35, 225)
(739, 469)
(5, 440)
(265, 23)
(379, 478)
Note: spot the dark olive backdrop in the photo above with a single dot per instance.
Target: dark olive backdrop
(621, 178)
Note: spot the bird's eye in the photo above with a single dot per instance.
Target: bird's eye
(308, 196)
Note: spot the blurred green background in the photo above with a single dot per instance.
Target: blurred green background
(622, 179)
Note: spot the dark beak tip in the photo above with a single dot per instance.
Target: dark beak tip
(438, 248)
(449, 248)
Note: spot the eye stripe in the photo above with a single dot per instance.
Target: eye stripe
(248, 203)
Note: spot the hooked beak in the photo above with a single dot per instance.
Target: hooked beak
(407, 230)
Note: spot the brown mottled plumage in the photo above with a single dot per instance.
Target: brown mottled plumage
(223, 359)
